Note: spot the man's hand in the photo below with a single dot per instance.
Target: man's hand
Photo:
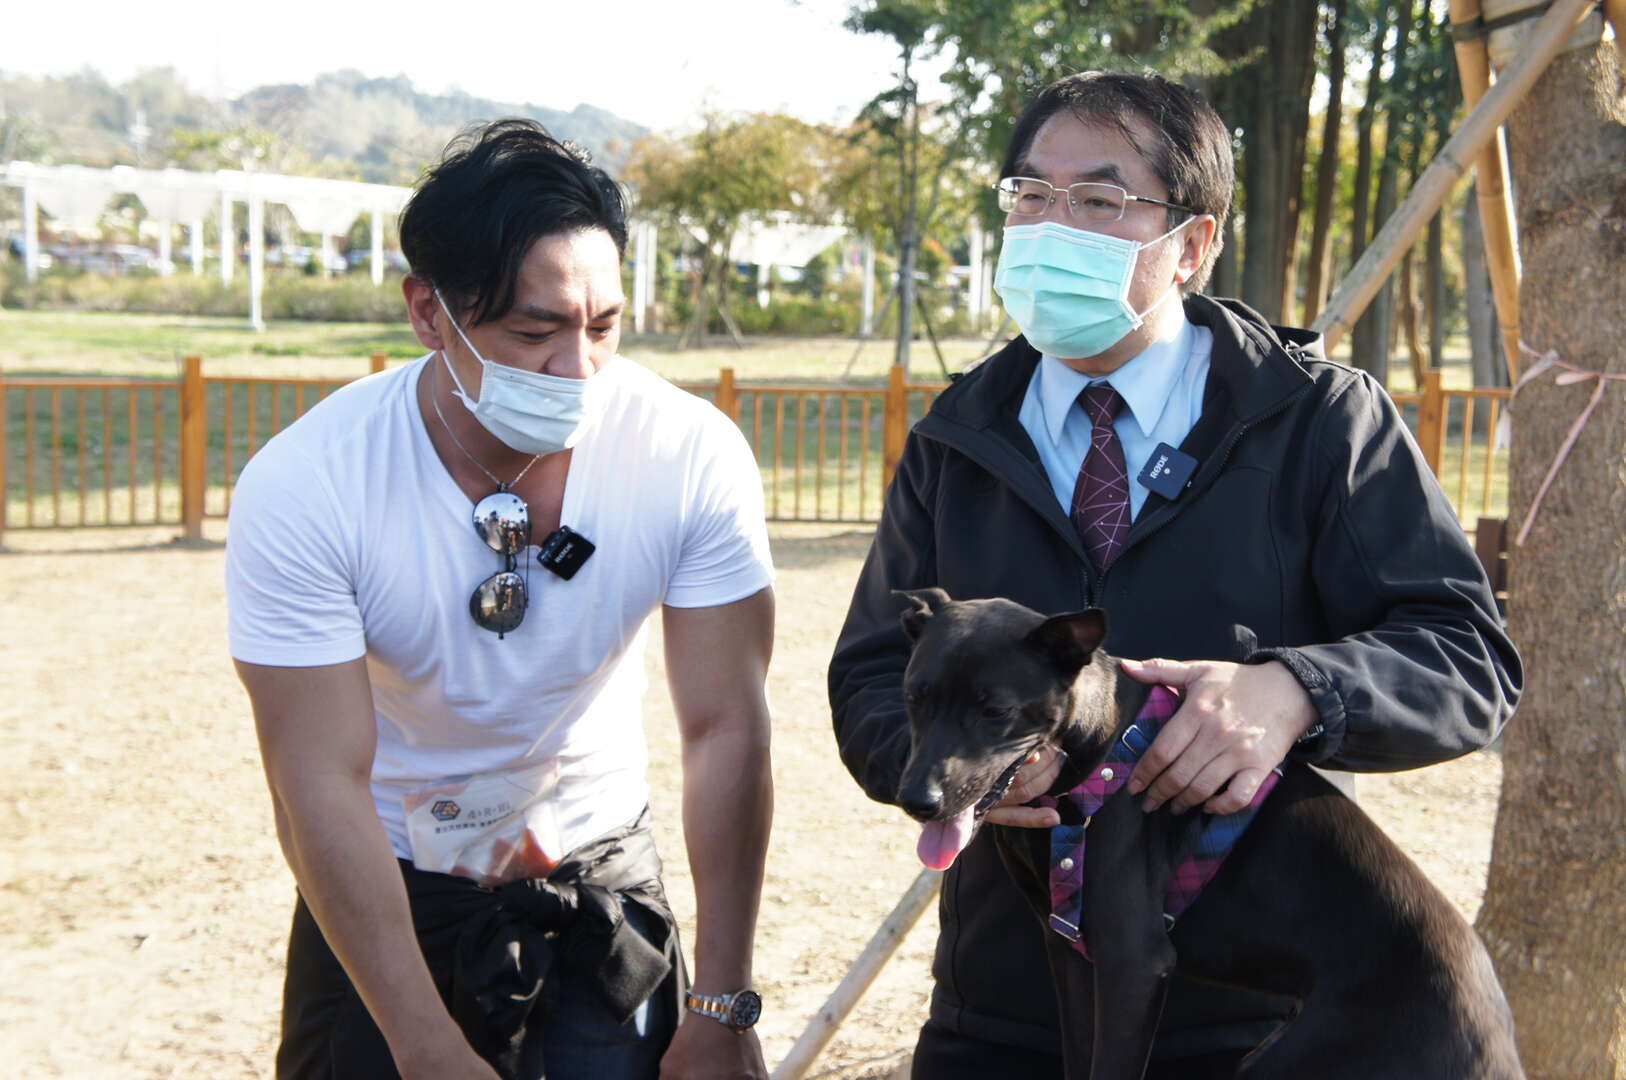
(455, 1061)
(1032, 780)
(703, 1049)
(1236, 723)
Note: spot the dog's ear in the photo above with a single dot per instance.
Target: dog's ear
(919, 605)
(1068, 641)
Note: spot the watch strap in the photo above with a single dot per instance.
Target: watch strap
(718, 1007)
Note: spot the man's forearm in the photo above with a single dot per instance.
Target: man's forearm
(727, 813)
(349, 877)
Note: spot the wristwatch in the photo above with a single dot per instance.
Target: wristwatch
(738, 1011)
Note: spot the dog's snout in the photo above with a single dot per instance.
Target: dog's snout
(922, 802)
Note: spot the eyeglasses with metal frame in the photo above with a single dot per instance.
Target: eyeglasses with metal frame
(1097, 203)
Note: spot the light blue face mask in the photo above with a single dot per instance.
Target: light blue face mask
(1068, 289)
(528, 411)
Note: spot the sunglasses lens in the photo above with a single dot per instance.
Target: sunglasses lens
(503, 521)
(498, 604)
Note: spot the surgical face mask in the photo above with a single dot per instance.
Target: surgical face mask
(529, 412)
(1068, 289)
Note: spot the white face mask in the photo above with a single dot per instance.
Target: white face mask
(529, 412)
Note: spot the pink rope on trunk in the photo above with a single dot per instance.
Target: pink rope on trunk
(1571, 374)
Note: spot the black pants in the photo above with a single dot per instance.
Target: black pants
(942, 1054)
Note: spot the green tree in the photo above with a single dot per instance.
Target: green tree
(907, 169)
(734, 167)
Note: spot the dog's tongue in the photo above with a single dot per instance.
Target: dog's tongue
(941, 841)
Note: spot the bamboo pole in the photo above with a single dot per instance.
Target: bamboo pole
(822, 1028)
(194, 447)
(1546, 41)
(1493, 189)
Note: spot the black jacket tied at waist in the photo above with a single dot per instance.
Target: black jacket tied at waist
(505, 941)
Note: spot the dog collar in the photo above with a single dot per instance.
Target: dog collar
(1219, 833)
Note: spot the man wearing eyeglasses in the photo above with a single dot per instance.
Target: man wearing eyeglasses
(1179, 462)
(438, 583)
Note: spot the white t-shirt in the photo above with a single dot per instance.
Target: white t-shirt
(349, 538)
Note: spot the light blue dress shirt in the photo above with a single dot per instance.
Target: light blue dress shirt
(1163, 393)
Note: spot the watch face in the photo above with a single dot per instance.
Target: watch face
(745, 1010)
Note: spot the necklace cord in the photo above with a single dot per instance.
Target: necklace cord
(434, 399)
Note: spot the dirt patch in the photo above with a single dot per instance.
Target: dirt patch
(144, 904)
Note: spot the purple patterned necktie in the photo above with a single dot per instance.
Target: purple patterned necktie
(1101, 496)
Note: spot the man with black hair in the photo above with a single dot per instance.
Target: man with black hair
(438, 582)
(1181, 463)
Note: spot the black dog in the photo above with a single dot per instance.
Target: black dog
(1314, 903)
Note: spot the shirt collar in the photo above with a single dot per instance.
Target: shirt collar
(1145, 382)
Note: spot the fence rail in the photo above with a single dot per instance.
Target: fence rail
(78, 452)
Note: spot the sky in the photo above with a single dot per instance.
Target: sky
(655, 62)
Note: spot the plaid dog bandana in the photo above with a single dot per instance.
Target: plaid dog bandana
(1214, 843)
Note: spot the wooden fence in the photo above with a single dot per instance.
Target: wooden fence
(77, 452)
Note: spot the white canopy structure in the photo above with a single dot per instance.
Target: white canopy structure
(75, 196)
(781, 243)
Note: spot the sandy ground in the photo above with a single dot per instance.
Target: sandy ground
(144, 903)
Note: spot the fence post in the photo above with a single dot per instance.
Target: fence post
(897, 424)
(5, 479)
(1431, 419)
(194, 447)
(377, 362)
(728, 398)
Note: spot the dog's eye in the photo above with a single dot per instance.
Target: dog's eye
(912, 696)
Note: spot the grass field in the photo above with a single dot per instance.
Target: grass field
(98, 343)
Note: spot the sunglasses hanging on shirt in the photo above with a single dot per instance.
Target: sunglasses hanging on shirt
(503, 521)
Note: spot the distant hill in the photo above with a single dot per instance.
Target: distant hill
(341, 124)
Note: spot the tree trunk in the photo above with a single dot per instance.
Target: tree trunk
(1484, 338)
(1555, 900)
(908, 235)
(1276, 103)
(1433, 291)
(1407, 312)
(1376, 343)
(1410, 324)
(1360, 215)
(1434, 287)
(1326, 182)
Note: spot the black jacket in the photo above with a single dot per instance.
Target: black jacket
(1311, 519)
